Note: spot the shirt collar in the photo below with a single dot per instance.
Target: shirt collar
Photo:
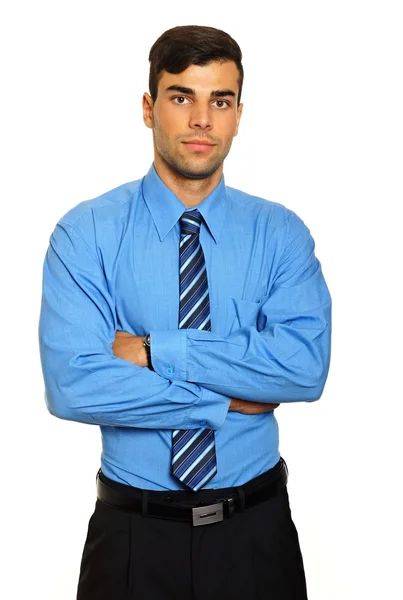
(166, 208)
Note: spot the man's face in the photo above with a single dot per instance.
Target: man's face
(195, 117)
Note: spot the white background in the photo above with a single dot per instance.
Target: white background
(322, 133)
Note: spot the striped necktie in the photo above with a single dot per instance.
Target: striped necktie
(193, 450)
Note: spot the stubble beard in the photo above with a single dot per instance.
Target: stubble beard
(182, 167)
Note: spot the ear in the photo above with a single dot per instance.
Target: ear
(238, 118)
(148, 106)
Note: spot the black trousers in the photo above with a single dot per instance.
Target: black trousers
(254, 555)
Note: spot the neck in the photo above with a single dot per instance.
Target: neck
(189, 191)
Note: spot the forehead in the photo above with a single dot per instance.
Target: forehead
(203, 80)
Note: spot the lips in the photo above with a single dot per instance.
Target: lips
(199, 142)
(198, 145)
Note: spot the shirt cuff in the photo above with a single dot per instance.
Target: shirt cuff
(212, 409)
(169, 353)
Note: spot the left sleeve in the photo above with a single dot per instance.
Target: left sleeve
(281, 356)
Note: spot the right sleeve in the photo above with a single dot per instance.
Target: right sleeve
(84, 381)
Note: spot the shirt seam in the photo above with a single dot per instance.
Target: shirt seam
(91, 209)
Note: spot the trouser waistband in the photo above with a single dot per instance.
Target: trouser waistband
(199, 508)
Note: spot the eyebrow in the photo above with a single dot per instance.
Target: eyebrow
(190, 92)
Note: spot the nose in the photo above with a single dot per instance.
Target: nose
(200, 118)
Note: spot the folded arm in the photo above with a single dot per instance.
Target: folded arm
(279, 352)
(84, 381)
(130, 347)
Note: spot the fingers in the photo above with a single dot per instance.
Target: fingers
(251, 408)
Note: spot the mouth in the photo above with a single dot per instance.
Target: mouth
(198, 145)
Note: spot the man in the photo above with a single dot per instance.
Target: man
(177, 314)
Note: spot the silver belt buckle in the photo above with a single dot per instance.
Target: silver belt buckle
(204, 515)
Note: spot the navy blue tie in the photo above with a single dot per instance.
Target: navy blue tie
(193, 450)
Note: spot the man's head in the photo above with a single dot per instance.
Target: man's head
(196, 78)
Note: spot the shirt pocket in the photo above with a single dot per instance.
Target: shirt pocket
(244, 313)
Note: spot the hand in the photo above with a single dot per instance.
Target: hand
(247, 407)
(130, 347)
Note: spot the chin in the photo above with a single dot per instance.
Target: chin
(194, 171)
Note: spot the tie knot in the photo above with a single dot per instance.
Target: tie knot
(190, 222)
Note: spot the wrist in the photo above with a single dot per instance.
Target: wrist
(147, 346)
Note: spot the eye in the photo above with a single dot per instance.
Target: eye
(180, 100)
(221, 104)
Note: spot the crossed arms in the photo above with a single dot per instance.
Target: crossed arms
(286, 360)
(130, 347)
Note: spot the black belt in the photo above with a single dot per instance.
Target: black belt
(152, 504)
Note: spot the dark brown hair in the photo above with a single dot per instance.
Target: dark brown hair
(178, 48)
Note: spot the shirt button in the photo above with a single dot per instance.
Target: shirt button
(170, 370)
(203, 423)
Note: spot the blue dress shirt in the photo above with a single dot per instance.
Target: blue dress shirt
(113, 264)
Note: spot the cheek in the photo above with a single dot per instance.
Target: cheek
(229, 131)
(170, 122)
(228, 125)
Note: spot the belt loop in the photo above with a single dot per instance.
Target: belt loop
(144, 502)
(241, 495)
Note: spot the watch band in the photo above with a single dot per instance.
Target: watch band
(147, 346)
